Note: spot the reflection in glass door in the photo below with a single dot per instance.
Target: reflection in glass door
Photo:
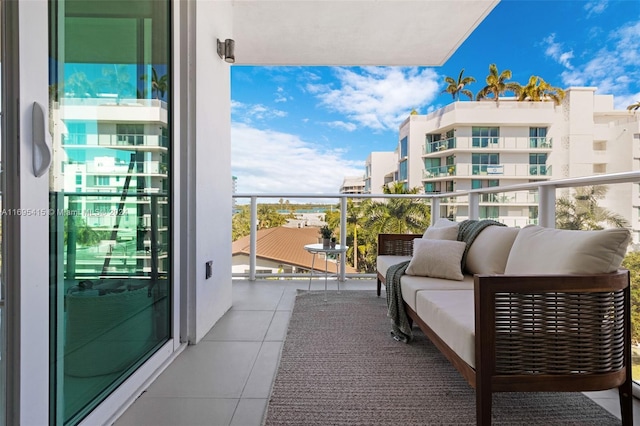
(110, 112)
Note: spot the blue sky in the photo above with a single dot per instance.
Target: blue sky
(302, 129)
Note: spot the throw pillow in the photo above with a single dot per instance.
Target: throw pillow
(448, 233)
(436, 258)
(442, 229)
(443, 222)
(539, 250)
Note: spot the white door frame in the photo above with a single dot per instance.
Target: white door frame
(26, 236)
(27, 223)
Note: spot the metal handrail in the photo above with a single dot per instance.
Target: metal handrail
(546, 204)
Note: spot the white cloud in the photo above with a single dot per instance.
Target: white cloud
(248, 113)
(378, 97)
(613, 68)
(623, 101)
(281, 95)
(267, 161)
(349, 127)
(555, 51)
(595, 7)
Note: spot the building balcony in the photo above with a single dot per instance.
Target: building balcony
(477, 143)
(116, 140)
(514, 171)
(226, 378)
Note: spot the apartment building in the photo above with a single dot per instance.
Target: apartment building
(468, 145)
(352, 185)
(380, 169)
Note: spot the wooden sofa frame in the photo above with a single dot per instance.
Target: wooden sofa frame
(585, 345)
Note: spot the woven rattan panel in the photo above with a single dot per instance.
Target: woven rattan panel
(559, 333)
(398, 247)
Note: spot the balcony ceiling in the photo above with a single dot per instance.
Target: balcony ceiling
(355, 32)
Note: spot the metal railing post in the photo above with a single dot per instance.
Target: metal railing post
(253, 242)
(343, 237)
(547, 206)
(474, 205)
(435, 209)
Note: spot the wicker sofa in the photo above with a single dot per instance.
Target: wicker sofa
(537, 310)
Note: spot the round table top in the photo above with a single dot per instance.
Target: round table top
(318, 248)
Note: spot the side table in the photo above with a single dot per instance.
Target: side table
(314, 249)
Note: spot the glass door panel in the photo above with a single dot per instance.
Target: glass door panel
(110, 194)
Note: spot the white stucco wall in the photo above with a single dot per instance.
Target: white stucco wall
(210, 228)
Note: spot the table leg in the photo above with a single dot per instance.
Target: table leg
(338, 258)
(326, 272)
(313, 261)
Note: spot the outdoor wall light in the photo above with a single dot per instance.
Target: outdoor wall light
(226, 50)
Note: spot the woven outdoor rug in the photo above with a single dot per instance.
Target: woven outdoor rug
(340, 366)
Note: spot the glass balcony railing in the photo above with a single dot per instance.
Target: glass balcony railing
(540, 142)
(473, 143)
(487, 169)
(440, 145)
(539, 170)
(115, 140)
(439, 171)
(442, 204)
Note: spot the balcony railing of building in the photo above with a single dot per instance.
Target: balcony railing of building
(524, 143)
(545, 198)
(110, 101)
(113, 140)
(505, 170)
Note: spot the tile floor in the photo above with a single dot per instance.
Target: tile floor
(226, 379)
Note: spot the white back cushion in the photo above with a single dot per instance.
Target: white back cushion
(538, 250)
(489, 252)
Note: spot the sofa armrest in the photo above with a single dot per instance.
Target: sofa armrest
(538, 327)
(396, 244)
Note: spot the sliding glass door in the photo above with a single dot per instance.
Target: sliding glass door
(110, 195)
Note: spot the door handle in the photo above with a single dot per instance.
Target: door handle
(41, 152)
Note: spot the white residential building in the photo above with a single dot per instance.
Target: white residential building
(380, 169)
(352, 185)
(469, 145)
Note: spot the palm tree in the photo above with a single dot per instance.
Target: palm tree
(538, 90)
(583, 212)
(398, 215)
(456, 87)
(159, 85)
(497, 84)
(634, 107)
(268, 217)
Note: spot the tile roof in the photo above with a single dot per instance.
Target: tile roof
(286, 245)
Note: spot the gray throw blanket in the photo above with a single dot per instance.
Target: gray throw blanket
(400, 328)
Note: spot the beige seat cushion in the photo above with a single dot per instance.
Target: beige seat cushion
(489, 252)
(385, 261)
(436, 258)
(450, 314)
(410, 286)
(539, 250)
